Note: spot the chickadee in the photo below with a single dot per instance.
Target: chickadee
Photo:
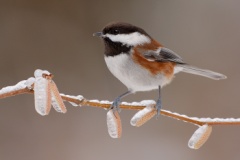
(141, 63)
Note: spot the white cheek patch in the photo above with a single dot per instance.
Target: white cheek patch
(131, 39)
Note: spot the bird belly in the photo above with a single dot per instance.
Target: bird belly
(133, 75)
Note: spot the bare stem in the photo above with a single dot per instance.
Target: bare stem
(14, 93)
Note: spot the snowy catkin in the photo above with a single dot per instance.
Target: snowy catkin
(57, 101)
(200, 136)
(114, 124)
(143, 116)
(42, 96)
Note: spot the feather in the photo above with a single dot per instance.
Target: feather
(163, 55)
(202, 72)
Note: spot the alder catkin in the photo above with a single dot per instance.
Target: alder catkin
(42, 96)
(57, 101)
(143, 116)
(114, 124)
(200, 136)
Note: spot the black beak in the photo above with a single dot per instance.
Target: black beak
(98, 34)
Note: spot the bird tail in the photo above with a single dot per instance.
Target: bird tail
(201, 72)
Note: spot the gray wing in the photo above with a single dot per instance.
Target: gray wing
(167, 55)
(164, 55)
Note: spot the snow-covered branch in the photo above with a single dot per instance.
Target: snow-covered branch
(46, 94)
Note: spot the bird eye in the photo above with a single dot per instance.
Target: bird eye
(115, 31)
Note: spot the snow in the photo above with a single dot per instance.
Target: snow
(20, 85)
(29, 82)
(114, 124)
(200, 136)
(78, 97)
(24, 83)
(217, 119)
(94, 101)
(207, 120)
(105, 102)
(39, 73)
(147, 103)
(132, 104)
(100, 102)
(142, 103)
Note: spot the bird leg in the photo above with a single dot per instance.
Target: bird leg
(159, 102)
(117, 101)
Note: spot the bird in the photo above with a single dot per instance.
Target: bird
(141, 63)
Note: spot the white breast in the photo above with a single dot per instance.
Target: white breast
(132, 75)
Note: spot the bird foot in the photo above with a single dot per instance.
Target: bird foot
(158, 107)
(115, 105)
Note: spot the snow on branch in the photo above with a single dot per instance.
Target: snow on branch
(46, 94)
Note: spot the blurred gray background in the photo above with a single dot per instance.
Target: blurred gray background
(57, 36)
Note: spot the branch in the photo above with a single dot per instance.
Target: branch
(43, 87)
(130, 106)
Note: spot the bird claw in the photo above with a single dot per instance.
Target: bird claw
(115, 105)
